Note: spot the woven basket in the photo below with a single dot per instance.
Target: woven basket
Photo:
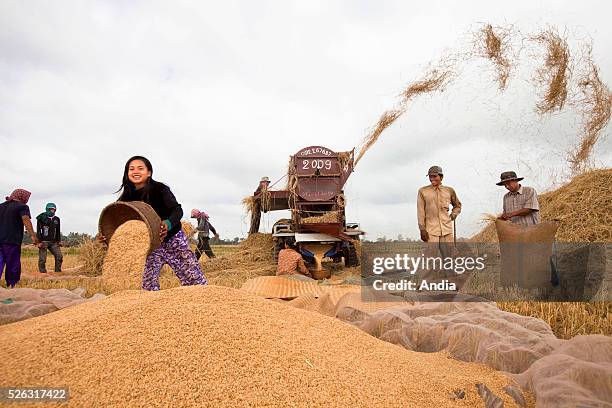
(115, 214)
(320, 275)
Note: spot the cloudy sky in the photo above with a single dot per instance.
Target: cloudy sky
(218, 94)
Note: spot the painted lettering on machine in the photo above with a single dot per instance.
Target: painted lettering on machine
(315, 151)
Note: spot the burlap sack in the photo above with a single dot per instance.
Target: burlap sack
(526, 254)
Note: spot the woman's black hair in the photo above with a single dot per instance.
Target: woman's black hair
(291, 244)
(127, 187)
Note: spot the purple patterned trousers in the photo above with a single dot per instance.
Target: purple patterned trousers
(10, 255)
(176, 253)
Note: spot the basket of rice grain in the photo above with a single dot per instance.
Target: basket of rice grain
(119, 212)
(320, 274)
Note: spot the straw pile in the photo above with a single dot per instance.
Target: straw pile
(252, 258)
(91, 256)
(188, 228)
(124, 262)
(212, 346)
(583, 206)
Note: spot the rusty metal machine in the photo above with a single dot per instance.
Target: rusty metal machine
(314, 193)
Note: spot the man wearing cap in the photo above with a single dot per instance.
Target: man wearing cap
(204, 228)
(520, 202)
(14, 215)
(50, 237)
(433, 204)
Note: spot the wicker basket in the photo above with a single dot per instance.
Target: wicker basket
(320, 275)
(115, 214)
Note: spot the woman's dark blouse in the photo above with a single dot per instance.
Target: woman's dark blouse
(163, 202)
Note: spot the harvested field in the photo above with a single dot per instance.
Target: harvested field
(29, 264)
(567, 319)
(252, 257)
(212, 346)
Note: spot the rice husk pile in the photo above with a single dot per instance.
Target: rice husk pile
(583, 207)
(252, 258)
(328, 217)
(213, 346)
(125, 260)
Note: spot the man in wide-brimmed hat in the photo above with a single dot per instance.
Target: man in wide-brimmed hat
(520, 202)
(433, 205)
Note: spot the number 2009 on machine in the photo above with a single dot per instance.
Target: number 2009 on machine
(316, 164)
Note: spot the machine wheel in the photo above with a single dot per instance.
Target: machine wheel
(351, 258)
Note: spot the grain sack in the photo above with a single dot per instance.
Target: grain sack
(526, 254)
(581, 269)
(23, 303)
(125, 260)
(207, 346)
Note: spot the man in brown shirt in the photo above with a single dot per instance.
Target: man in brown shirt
(435, 222)
(433, 205)
(290, 262)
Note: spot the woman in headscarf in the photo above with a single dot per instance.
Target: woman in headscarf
(204, 229)
(14, 215)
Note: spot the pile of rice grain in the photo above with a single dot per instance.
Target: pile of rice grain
(328, 217)
(213, 346)
(125, 260)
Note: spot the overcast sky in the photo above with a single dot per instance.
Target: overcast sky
(218, 94)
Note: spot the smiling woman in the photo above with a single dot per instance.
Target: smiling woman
(138, 185)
